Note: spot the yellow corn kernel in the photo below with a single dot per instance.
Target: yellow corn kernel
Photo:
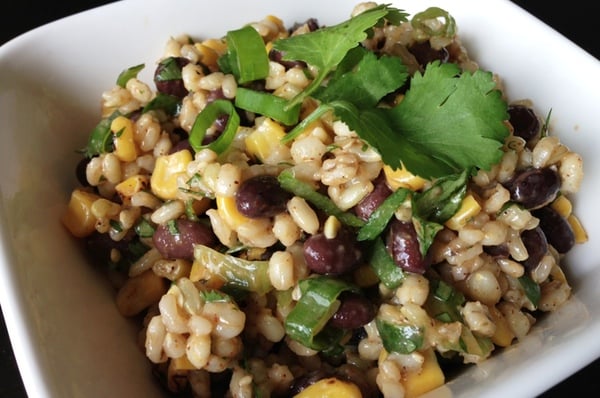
(563, 206)
(402, 178)
(557, 274)
(365, 276)
(468, 209)
(265, 140)
(103, 207)
(199, 272)
(229, 213)
(166, 170)
(580, 233)
(330, 388)
(182, 363)
(78, 218)
(210, 50)
(125, 149)
(429, 378)
(217, 45)
(503, 336)
(132, 185)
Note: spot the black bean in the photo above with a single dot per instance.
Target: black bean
(80, 171)
(537, 246)
(333, 256)
(277, 56)
(497, 251)
(170, 86)
(424, 54)
(557, 229)
(214, 95)
(355, 311)
(403, 245)
(354, 374)
(181, 145)
(261, 196)
(524, 121)
(307, 379)
(372, 201)
(100, 247)
(176, 239)
(533, 187)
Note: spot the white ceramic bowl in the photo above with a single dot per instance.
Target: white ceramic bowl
(67, 335)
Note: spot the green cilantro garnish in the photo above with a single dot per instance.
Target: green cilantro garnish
(455, 119)
(100, 140)
(169, 70)
(325, 48)
(448, 121)
(129, 73)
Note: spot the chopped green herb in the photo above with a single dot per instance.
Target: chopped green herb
(307, 322)
(325, 48)
(169, 69)
(382, 215)
(532, 289)
(144, 229)
(129, 73)
(101, 138)
(172, 227)
(323, 202)
(384, 265)
(168, 103)
(116, 225)
(402, 339)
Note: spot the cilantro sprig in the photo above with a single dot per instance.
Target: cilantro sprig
(325, 48)
(449, 120)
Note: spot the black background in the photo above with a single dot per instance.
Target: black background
(575, 22)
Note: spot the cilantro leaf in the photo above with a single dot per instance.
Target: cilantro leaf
(337, 40)
(357, 84)
(374, 126)
(129, 73)
(100, 140)
(455, 119)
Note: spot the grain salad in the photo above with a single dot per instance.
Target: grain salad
(304, 210)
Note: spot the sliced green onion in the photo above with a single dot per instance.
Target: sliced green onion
(307, 322)
(116, 225)
(444, 301)
(266, 104)
(402, 339)
(300, 188)
(252, 276)
(248, 58)
(532, 289)
(129, 73)
(384, 266)
(382, 215)
(206, 118)
(447, 29)
(144, 229)
(172, 227)
(189, 210)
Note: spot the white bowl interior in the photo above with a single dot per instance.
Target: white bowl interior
(69, 339)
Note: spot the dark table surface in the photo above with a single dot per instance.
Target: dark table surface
(574, 22)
